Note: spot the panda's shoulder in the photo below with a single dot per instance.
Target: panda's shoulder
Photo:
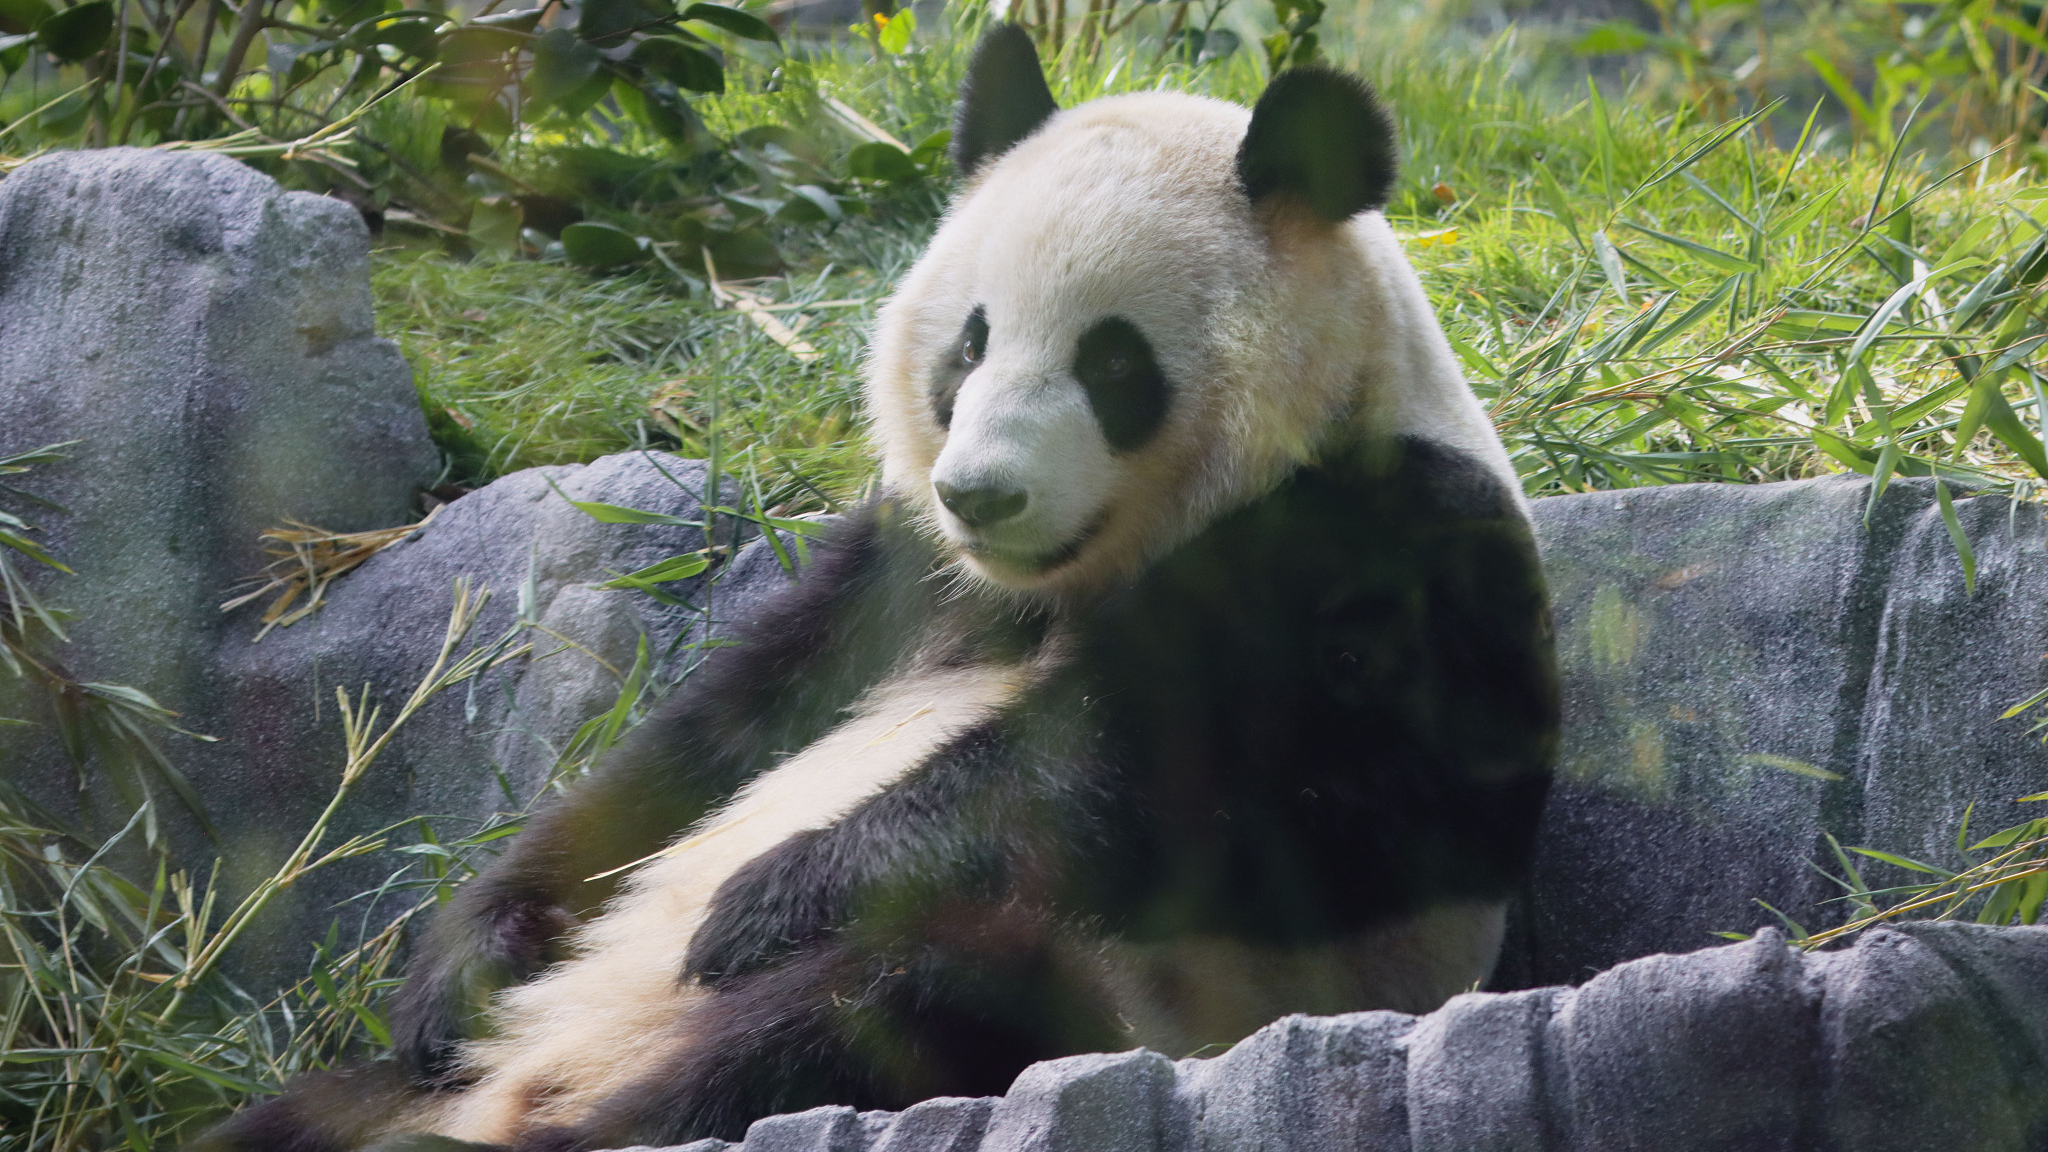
(1395, 485)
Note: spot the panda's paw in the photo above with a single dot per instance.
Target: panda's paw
(777, 904)
(464, 962)
(733, 945)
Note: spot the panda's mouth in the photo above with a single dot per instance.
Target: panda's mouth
(1039, 563)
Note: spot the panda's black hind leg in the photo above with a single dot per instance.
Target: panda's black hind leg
(339, 1111)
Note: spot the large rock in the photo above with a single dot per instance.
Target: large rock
(478, 751)
(1921, 1037)
(206, 339)
(1750, 668)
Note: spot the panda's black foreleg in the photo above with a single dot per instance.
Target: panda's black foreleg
(798, 663)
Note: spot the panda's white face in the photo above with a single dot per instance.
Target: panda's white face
(1080, 307)
(1044, 377)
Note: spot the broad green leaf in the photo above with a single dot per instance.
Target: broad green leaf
(606, 22)
(602, 246)
(1849, 454)
(681, 64)
(1603, 137)
(413, 35)
(1880, 477)
(494, 226)
(894, 37)
(1474, 359)
(733, 20)
(22, 16)
(1840, 86)
(817, 198)
(1557, 202)
(1904, 294)
(932, 148)
(584, 98)
(2033, 893)
(372, 1023)
(2003, 838)
(200, 1071)
(561, 64)
(436, 850)
(75, 33)
(878, 161)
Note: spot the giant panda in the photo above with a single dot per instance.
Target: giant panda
(1193, 667)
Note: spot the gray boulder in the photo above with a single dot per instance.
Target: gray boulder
(1917, 1037)
(206, 338)
(480, 751)
(1748, 668)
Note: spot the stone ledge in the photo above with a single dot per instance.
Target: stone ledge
(1920, 1037)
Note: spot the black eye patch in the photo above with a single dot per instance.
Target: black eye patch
(1125, 386)
(963, 356)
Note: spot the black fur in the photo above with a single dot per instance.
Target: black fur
(1003, 99)
(960, 358)
(1126, 387)
(325, 1112)
(1334, 708)
(1321, 137)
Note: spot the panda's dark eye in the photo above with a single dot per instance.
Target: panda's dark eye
(1125, 385)
(974, 338)
(967, 352)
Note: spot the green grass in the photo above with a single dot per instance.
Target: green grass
(1640, 293)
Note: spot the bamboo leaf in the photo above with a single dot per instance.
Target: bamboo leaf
(1610, 263)
(1910, 865)
(1726, 262)
(1957, 537)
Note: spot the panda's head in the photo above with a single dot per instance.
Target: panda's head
(1137, 313)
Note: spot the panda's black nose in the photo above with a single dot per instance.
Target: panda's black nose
(980, 507)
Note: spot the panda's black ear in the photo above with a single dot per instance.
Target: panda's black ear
(1320, 136)
(1003, 99)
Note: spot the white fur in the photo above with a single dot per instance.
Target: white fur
(1281, 335)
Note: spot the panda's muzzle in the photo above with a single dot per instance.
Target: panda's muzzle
(981, 507)
(1041, 563)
